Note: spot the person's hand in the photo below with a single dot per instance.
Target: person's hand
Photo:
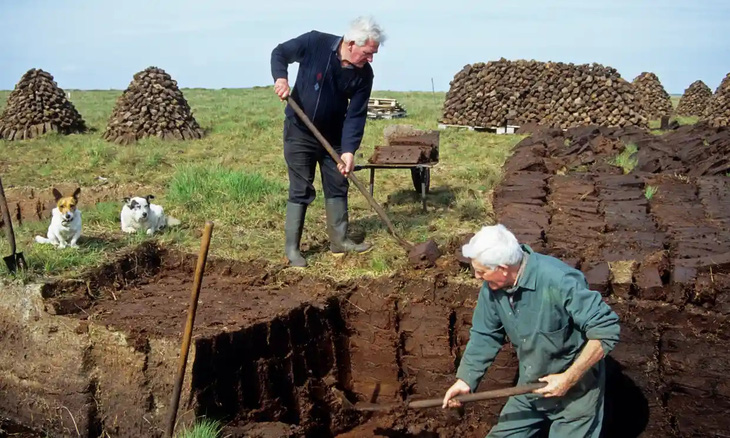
(557, 385)
(349, 161)
(281, 88)
(458, 388)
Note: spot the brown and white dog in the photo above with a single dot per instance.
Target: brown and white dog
(65, 228)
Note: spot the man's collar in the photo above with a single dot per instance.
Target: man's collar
(336, 44)
(528, 278)
(336, 49)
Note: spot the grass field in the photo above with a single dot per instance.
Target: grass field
(236, 177)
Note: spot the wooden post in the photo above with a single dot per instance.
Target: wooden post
(433, 91)
(664, 123)
(188, 333)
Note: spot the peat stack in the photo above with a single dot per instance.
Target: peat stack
(718, 110)
(547, 93)
(152, 105)
(37, 106)
(653, 99)
(695, 99)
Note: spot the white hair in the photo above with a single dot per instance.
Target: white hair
(363, 29)
(493, 246)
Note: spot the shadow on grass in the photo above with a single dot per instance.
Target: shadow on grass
(443, 196)
(99, 243)
(363, 226)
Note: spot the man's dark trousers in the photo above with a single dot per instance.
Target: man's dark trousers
(302, 152)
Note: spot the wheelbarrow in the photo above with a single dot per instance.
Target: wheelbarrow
(15, 260)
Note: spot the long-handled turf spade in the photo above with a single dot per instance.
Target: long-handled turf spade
(423, 254)
(188, 334)
(14, 260)
(464, 398)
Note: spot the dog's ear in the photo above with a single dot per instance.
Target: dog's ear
(148, 197)
(76, 193)
(126, 199)
(57, 194)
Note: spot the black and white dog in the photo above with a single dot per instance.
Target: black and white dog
(139, 214)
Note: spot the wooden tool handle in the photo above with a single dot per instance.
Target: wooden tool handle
(6, 219)
(188, 334)
(351, 175)
(477, 396)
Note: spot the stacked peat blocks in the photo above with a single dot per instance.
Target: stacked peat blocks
(695, 99)
(718, 111)
(152, 105)
(37, 106)
(548, 93)
(653, 99)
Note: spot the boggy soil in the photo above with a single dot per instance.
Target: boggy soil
(280, 354)
(654, 241)
(276, 353)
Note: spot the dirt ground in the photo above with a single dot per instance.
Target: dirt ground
(9, 429)
(277, 353)
(276, 350)
(654, 241)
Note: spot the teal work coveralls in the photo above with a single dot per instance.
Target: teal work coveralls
(548, 316)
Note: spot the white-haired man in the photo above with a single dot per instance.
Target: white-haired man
(333, 87)
(560, 329)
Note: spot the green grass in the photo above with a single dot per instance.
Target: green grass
(655, 124)
(208, 186)
(204, 428)
(236, 177)
(650, 191)
(683, 120)
(627, 159)
(98, 243)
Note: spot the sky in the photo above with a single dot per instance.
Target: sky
(100, 44)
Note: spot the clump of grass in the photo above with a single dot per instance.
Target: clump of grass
(49, 260)
(627, 159)
(650, 191)
(380, 264)
(154, 159)
(99, 154)
(471, 207)
(622, 271)
(104, 214)
(210, 186)
(204, 428)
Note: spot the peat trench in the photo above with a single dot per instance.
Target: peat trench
(274, 352)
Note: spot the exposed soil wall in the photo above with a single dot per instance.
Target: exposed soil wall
(655, 242)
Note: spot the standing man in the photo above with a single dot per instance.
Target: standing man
(332, 70)
(560, 329)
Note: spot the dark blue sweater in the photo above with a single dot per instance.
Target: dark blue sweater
(323, 87)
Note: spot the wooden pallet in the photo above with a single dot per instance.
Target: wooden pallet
(385, 108)
(383, 101)
(386, 115)
(509, 129)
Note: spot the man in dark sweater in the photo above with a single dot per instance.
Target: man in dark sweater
(332, 71)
